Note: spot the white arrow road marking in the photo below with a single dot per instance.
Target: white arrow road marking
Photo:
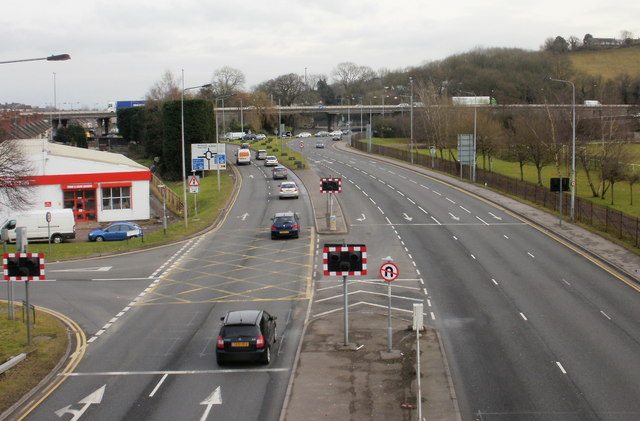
(250, 175)
(244, 216)
(407, 217)
(362, 218)
(99, 269)
(455, 218)
(214, 398)
(497, 217)
(95, 397)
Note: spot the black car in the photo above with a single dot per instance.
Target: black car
(285, 224)
(246, 335)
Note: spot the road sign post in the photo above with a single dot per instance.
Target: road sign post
(389, 272)
(343, 260)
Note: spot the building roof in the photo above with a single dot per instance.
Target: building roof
(92, 160)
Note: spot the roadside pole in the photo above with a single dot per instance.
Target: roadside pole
(418, 326)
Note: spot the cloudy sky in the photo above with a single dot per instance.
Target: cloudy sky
(120, 48)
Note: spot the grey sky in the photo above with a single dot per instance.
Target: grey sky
(120, 48)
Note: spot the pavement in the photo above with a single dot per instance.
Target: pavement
(362, 381)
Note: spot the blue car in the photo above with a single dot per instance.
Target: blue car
(285, 224)
(116, 231)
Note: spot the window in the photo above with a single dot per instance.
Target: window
(116, 198)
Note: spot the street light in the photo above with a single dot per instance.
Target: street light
(573, 141)
(222, 98)
(184, 169)
(411, 119)
(58, 57)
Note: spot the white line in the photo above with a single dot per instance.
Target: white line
(436, 221)
(480, 219)
(561, 367)
(156, 373)
(155, 389)
(450, 200)
(380, 212)
(438, 193)
(420, 207)
(494, 281)
(605, 314)
(473, 257)
(532, 256)
(372, 201)
(523, 316)
(464, 209)
(433, 316)
(409, 199)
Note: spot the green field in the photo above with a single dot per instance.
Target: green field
(622, 198)
(608, 63)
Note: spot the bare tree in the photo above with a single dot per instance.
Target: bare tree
(349, 77)
(167, 88)
(438, 118)
(15, 168)
(227, 81)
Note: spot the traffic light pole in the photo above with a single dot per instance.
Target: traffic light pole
(346, 310)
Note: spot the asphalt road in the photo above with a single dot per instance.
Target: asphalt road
(532, 329)
(152, 319)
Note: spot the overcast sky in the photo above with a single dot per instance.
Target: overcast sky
(120, 48)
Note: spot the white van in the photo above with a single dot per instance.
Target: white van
(243, 156)
(61, 227)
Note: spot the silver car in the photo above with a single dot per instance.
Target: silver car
(288, 189)
(270, 161)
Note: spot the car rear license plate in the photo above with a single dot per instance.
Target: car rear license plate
(284, 232)
(239, 344)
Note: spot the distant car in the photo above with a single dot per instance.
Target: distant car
(285, 224)
(345, 131)
(336, 138)
(245, 146)
(246, 335)
(319, 144)
(261, 136)
(261, 154)
(286, 134)
(288, 189)
(303, 134)
(403, 105)
(279, 173)
(249, 136)
(116, 231)
(321, 133)
(336, 133)
(270, 161)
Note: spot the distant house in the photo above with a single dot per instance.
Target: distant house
(605, 42)
(98, 186)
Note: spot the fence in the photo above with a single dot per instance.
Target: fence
(601, 218)
(174, 204)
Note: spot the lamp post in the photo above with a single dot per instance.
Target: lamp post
(184, 169)
(411, 119)
(573, 141)
(217, 137)
(57, 57)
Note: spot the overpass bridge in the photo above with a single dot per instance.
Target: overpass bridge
(105, 118)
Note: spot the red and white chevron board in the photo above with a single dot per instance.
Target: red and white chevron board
(5, 267)
(325, 260)
(339, 180)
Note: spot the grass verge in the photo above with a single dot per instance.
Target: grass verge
(49, 344)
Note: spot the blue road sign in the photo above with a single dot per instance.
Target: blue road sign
(197, 164)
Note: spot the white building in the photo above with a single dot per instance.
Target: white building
(98, 186)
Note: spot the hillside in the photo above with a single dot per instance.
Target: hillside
(608, 63)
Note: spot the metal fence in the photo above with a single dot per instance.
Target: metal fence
(601, 218)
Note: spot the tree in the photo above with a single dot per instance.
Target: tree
(15, 169)
(74, 135)
(226, 81)
(349, 77)
(167, 88)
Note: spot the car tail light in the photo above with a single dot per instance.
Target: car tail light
(295, 227)
(220, 342)
(273, 227)
(281, 190)
(260, 342)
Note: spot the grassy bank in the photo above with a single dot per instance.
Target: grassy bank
(49, 343)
